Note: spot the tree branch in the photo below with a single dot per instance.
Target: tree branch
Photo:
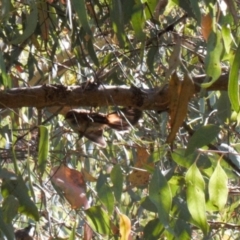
(93, 95)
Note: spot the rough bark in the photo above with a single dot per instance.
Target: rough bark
(93, 95)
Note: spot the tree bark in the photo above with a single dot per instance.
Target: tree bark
(93, 95)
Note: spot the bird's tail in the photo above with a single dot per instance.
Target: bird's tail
(123, 119)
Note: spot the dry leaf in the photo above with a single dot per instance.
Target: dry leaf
(124, 227)
(180, 96)
(72, 184)
(140, 178)
(206, 25)
(87, 176)
(175, 57)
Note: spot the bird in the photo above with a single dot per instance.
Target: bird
(92, 124)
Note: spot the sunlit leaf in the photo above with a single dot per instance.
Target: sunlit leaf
(124, 226)
(218, 190)
(43, 149)
(203, 136)
(233, 86)
(196, 197)
(98, 219)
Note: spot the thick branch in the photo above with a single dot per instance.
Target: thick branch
(92, 95)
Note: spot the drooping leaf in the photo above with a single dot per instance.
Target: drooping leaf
(153, 230)
(6, 228)
(233, 88)
(43, 149)
(30, 25)
(124, 226)
(203, 136)
(160, 195)
(181, 159)
(117, 180)
(206, 26)
(72, 185)
(140, 178)
(196, 197)
(218, 190)
(99, 220)
(180, 94)
(213, 58)
(10, 208)
(138, 21)
(106, 197)
(223, 107)
(117, 17)
(79, 7)
(227, 38)
(43, 19)
(73, 232)
(5, 79)
(174, 59)
(15, 186)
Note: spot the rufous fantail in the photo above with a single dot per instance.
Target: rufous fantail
(91, 125)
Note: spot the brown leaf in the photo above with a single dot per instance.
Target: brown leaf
(180, 95)
(206, 25)
(140, 177)
(88, 232)
(72, 184)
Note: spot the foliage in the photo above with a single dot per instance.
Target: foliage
(183, 189)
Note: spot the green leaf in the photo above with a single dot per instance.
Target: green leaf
(73, 232)
(79, 7)
(10, 208)
(117, 180)
(106, 197)
(227, 38)
(5, 79)
(5, 10)
(233, 87)
(182, 229)
(92, 52)
(196, 197)
(213, 58)
(6, 228)
(15, 186)
(117, 17)
(160, 195)
(218, 190)
(138, 22)
(43, 149)
(203, 136)
(98, 220)
(30, 25)
(153, 230)
(147, 204)
(179, 156)
(223, 107)
(150, 58)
